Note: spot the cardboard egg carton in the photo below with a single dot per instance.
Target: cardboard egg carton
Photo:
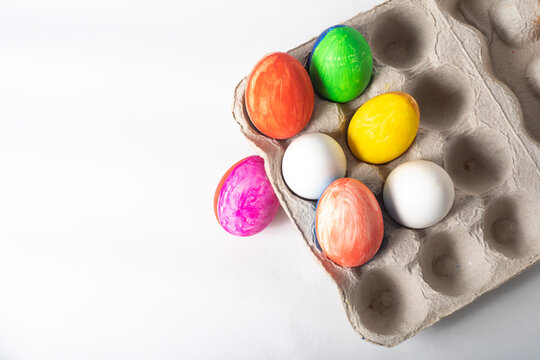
(474, 68)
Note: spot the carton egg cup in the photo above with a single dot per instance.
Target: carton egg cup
(474, 69)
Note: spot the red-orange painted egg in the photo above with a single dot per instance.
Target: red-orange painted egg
(349, 223)
(279, 96)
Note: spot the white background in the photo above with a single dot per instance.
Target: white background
(115, 128)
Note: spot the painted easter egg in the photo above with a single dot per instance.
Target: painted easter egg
(311, 162)
(245, 202)
(418, 194)
(279, 96)
(349, 223)
(383, 127)
(340, 64)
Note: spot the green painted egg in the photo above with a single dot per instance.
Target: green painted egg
(340, 64)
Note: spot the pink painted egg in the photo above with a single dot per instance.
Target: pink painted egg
(349, 223)
(245, 202)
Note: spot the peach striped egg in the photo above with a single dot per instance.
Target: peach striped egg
(245, 202)
(349, 223)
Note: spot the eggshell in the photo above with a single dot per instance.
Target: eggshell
(418, 194)
(311, 163)
(245, 202)
(279, 96)
(383, 127)
(340, 64)
(349, 223)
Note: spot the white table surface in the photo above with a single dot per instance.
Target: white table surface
(115, 128)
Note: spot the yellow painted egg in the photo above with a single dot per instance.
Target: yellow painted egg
(383, 127)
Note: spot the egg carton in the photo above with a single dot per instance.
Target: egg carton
(474, 68)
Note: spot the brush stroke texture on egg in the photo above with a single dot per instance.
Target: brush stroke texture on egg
(340, 64)
(245, 202)
(349, 223)
(384, 127)
(279, 96)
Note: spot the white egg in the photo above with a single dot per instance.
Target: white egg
(311, 163)
(418, 194)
